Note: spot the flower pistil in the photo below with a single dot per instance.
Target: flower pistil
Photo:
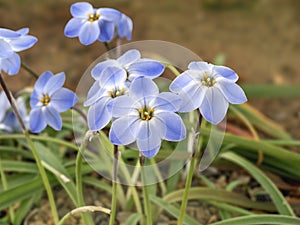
(93, 17)
(45, 100)
(146, 114)
(208, 81)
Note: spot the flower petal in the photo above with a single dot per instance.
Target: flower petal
(112, 77)
(106, 30)
(149, 138)
(73, 27)
(145, 67)
(81, 9)
(129, 57)
(4, 105)
(98, 69)
(63, 100)
(123, 130)
(89, 33)
(232, 92)
(121, 106)
(109, 14)
(11, 65)
(174, 126)
(35, 99)
(189, 77)
(91, 99)
(143, 87)
(23, 43)
(6, 33)
(125, 27)
(54, 83)
(52, 117)
(167, 101)
(23, 31)
(201, 66)
(37, 120)
(214, 106)
(42, 81)
(6, 50)
(226, 73)
(98, 115)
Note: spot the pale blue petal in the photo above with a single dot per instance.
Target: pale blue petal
(149, 139)
(11, 65)
(89, 33)
(23, 31)
(192, 97)
(42, 81)
(123, 130)
(112, 77)
(109, 14)
(23, 43)
(146, 67)
(174, 126)
(100, 93)
(106, 30)
(125, 27)
(35, 99)
(54, 83)
(52, 117)
(142, 87)
(6, 33)
(167, 101)
(73, 27)
(93, 90)
(4, 105)
(214, 106)
(81, 9)
(63, 100)
(226, 72)
(129, 57)
(37, 120)
(232, 92)
(201, 66)
(189, 77)
(121, 106)
(98, 115)
(98, 69)
(5, 49)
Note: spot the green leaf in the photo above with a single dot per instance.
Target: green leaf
(280, 202)
(19, 166)
(173, 210)
(134, 219)
(260, 219)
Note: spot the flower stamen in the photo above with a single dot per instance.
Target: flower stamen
(93, 17)
(116, 92)
(146, 114)
(45, 100)
(208, 81)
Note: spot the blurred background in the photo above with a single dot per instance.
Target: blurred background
(260, 40)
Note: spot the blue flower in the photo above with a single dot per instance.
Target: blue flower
(124, 27)
(12, 42)
(47, 100)
(90, 24)
(210, 88)
(146, 116)
(133, 65)
(8, 120)
(110, 85)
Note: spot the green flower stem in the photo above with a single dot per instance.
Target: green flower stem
(114, 187)
(190, 174)
(5, 187)
(30, 71)
(87, 219)
(34, 151)
(83, 209)
(147, 204)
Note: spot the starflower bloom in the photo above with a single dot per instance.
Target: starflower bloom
(110, 85)
(124, 27)
(90, 24)
(12, 42)
(133, 65)
(146, 116)
(8, 120)
(210, 88)
(47, 100)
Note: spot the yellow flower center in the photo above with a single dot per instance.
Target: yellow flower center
(45, 100)
(93, 17)
(208, 81)
(116, 92)
(146, 114)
